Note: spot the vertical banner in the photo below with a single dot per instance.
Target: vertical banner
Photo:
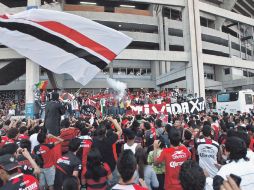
(29, 110)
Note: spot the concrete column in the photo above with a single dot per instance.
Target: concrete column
(111, 70)
(229, 45)
(161, 39)
(167, 64)
(193, 45)
(228, 5)
(32, 77)
(199, 49)
(32, 73)
(155, 69)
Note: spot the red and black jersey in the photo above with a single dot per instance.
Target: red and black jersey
(65, 166)
(85, 147)
(102, 182)
(57, 149)
(69, 163)
(22, 182)
(45, 153)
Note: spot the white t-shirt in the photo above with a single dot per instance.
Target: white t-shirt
(250, 155)
(33, 139)
(207, 152)
(209, 183)
(132, 148)
(243, 169)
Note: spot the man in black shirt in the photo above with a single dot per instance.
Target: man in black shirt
(68, 165)
(149, 136)
(53, 111)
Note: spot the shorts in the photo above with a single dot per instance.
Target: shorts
(47, 176)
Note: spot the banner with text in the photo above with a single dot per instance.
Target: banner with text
(193, 107)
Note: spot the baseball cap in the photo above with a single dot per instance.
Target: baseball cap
(8, 162)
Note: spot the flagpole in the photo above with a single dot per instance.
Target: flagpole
(32, 73)
(78, 91)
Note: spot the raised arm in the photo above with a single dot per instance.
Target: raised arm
(119, 130)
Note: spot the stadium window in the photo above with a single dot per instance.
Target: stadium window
(143, 71)
(148, 71)
(251, 74)
(209, 76)
(172, 14)
(245, 73)
(203, 22)
(130, 71)
(115, 70)
(176, 15)
(137, 72)
(207, 22)
(227, 71)
(122, 71)
(105, 71)
(210, 23)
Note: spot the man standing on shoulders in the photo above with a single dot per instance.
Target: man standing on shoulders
(173, 158)
(53, 111)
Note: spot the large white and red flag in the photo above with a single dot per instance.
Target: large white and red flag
(62, 42)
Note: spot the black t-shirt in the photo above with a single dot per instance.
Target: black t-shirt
(69, 163)
(105, 147)
(149, 138)
(22, 182)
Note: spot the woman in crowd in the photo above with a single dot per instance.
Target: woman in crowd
(146, 171)
(98, 173)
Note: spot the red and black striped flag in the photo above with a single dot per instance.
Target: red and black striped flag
(62, 42)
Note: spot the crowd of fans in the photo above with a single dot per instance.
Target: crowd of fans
(9, 105)
(109, 102)
(204, 151)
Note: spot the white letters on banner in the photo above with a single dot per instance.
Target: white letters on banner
(192, 107)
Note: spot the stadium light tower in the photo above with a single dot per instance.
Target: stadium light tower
(32, 72)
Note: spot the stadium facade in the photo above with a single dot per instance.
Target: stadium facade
(195, 45)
